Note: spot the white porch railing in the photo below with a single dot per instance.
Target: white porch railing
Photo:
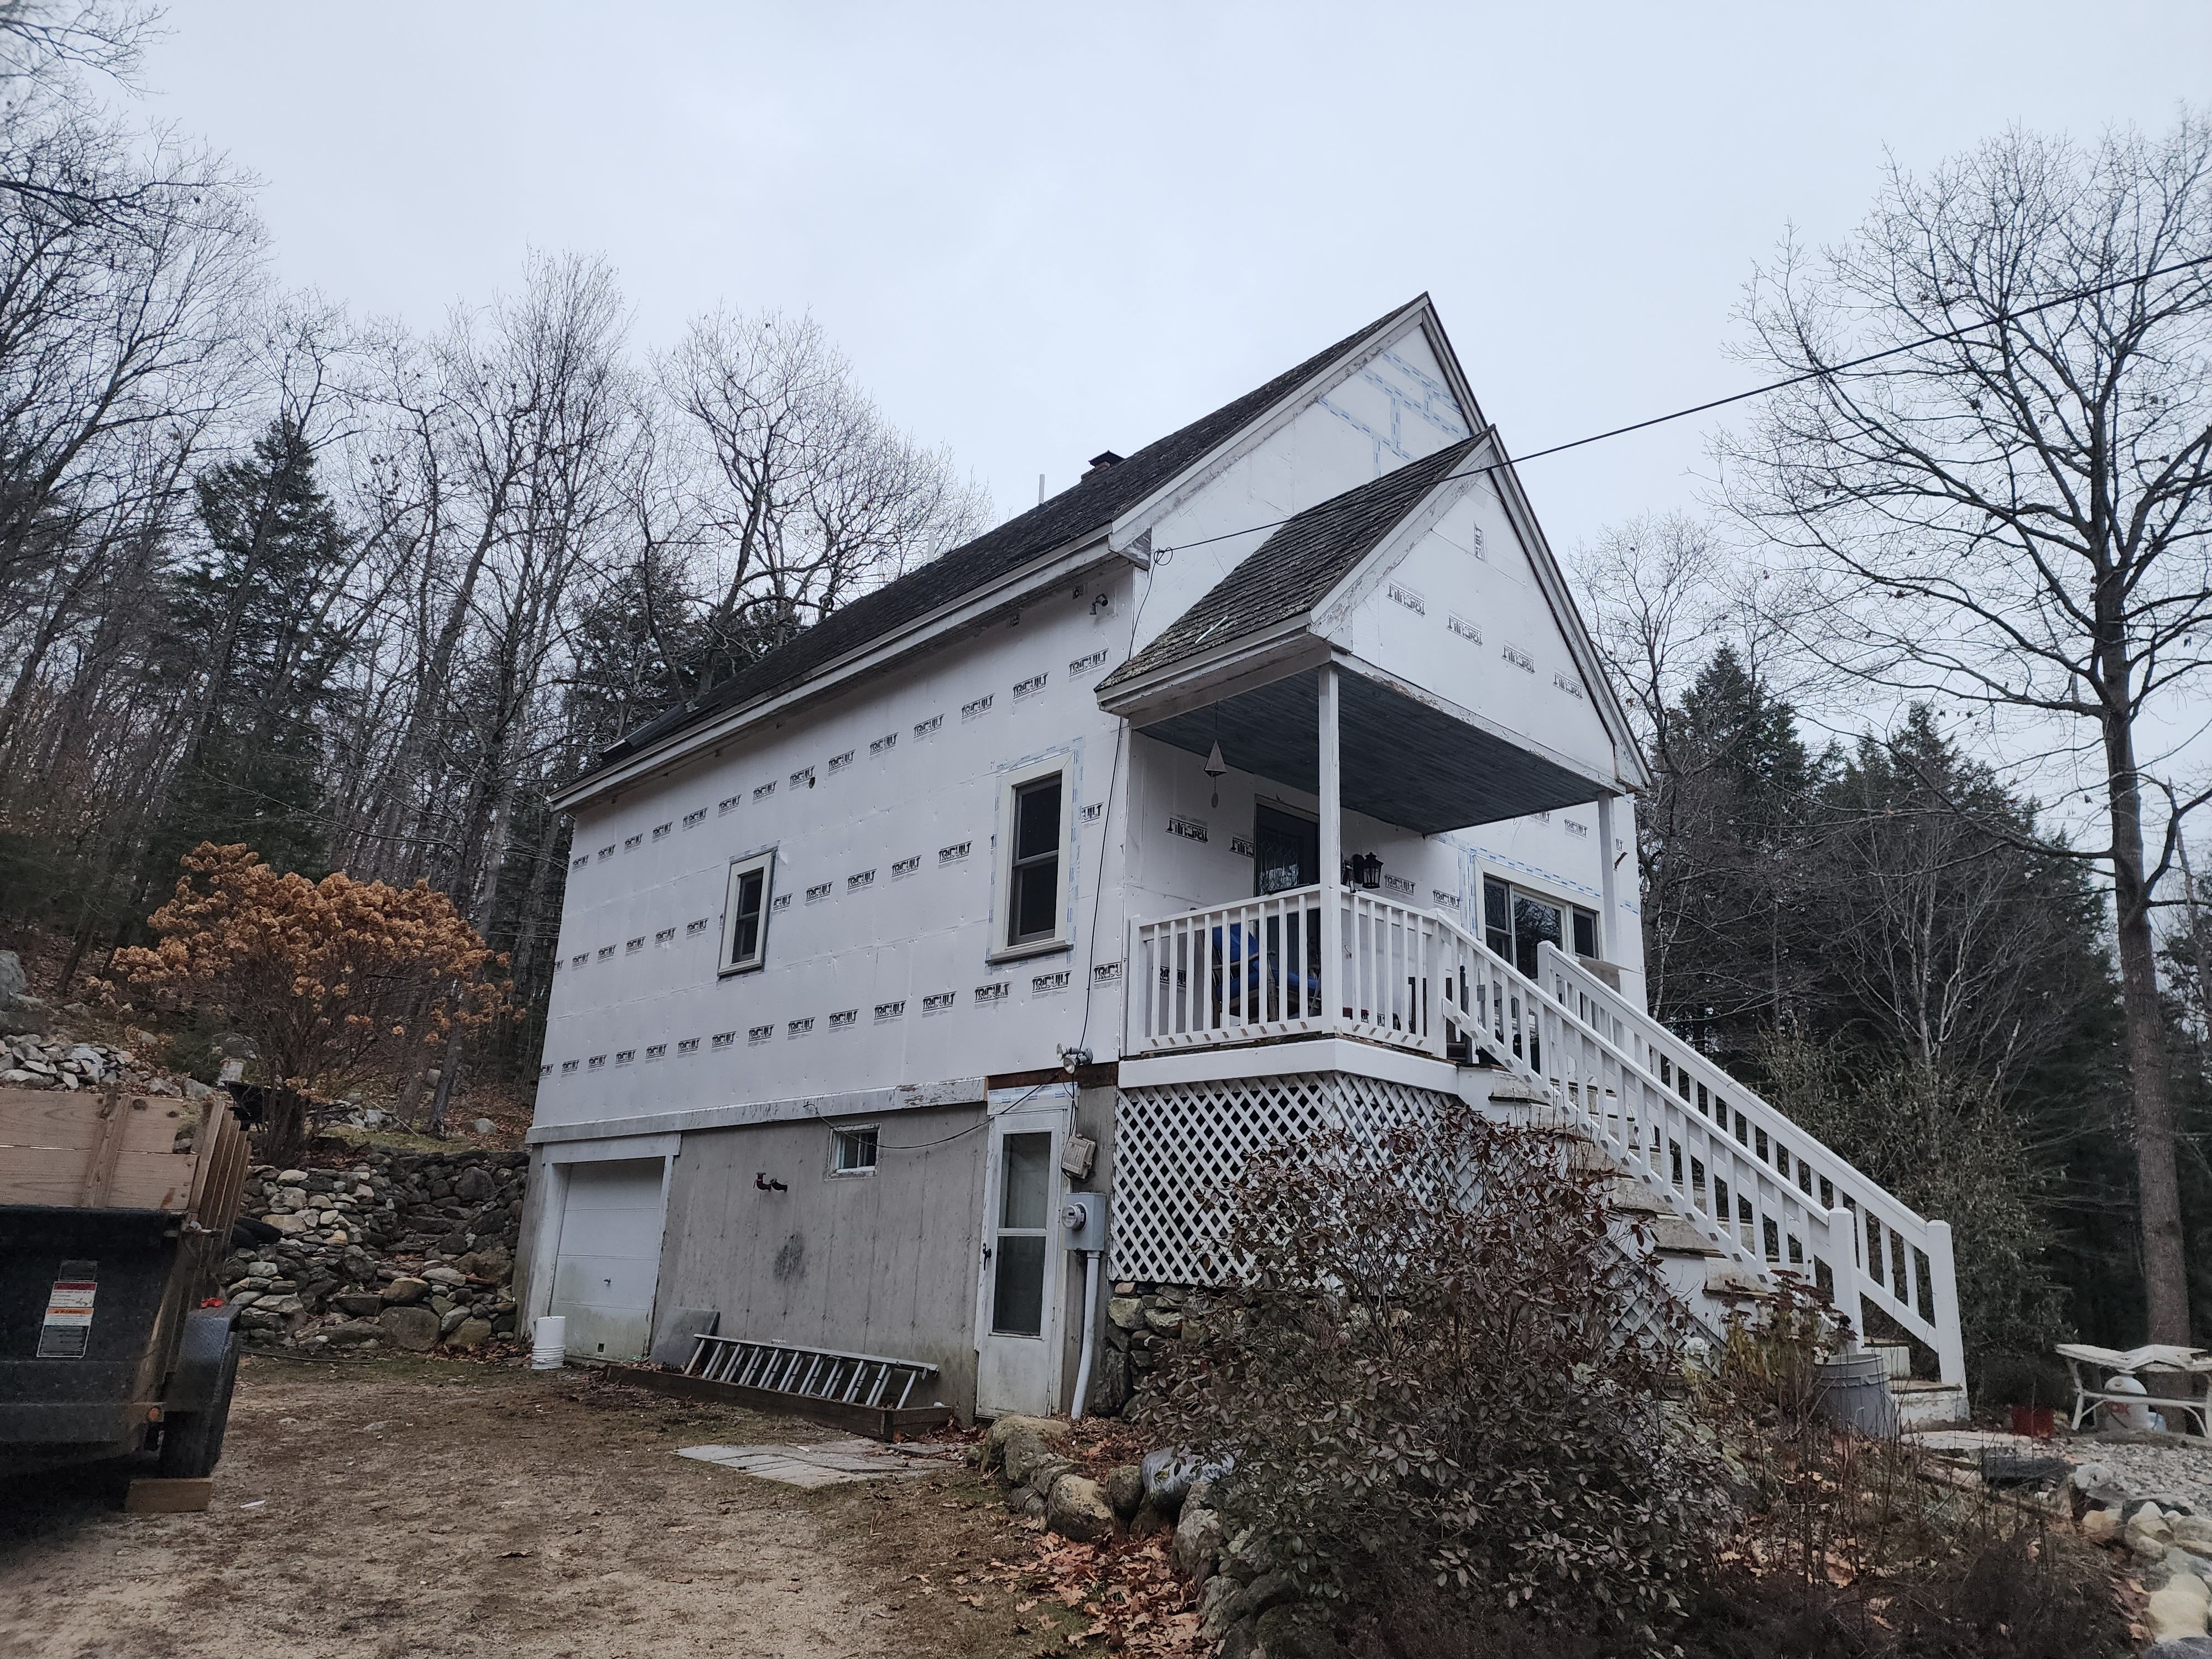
(1771, 1198)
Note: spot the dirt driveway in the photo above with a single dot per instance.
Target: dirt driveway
(404, 1508)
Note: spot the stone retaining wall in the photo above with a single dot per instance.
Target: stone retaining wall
(1141, 1321)
(396, 1250)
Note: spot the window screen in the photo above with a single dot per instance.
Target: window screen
(1033, 910)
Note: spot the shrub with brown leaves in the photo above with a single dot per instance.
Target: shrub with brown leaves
(324, 977)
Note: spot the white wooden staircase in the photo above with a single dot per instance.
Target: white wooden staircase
(1736, 1195)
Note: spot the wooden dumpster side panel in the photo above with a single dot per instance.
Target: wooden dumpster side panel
(107, 1149)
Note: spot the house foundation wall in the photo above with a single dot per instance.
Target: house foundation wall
(883, 1263)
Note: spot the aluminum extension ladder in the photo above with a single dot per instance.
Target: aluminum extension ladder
(852, 1379)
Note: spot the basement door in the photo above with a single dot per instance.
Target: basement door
(609, 1257)
(1018, 1315)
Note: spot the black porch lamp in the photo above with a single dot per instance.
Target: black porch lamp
(1362, 870)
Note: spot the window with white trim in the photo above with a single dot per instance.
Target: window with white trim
(1033, 866)
(853, 1152)
(744, 914)
(1517, 921)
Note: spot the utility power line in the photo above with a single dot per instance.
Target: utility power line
(2072, 298)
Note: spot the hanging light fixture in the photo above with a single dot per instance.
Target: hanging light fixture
(1215, 766)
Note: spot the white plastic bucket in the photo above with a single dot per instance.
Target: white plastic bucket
(548, 1345)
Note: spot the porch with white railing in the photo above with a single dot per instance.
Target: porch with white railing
(1325, 961)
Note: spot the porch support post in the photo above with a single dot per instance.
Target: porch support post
(1331, 854)
(1608, 862)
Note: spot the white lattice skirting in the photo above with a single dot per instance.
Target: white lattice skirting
(1178, 1146)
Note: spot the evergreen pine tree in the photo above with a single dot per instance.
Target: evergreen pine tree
(244, 623)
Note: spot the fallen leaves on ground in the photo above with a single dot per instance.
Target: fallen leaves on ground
(1136, 1601)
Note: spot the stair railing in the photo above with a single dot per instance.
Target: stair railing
(1741, 1160)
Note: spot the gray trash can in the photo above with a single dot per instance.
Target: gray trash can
(1852, 1389)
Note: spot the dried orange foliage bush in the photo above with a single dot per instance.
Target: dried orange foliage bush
(326, 976)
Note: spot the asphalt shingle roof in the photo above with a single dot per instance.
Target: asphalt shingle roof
(1095, 500)
(1292, 571)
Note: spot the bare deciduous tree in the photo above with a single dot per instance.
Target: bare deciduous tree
(2012, 511)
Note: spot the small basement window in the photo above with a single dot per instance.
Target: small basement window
(853, 1152)
(745, 917)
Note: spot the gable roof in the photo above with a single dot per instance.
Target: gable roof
(1091, 504)
(1293, 570)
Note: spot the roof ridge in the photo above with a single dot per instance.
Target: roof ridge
(1095, 499)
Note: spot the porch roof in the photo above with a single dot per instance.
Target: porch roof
(1403, 759)
(1295, 568)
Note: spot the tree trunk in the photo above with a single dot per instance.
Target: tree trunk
(2158, 1188)
(285, 1130)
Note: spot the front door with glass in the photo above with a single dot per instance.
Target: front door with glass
(1017, 1312)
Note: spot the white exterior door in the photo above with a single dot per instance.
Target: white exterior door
(1018, 1314)
(609, 1257)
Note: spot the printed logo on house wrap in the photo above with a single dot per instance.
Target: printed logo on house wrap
(631, 843)
(839, 763)
(995, 992)
(953, 853)
(923, 728)
(1044, 984)
(1397, 884)
(889, 1010)
(767, 789)
(1406, 596)
(939, 1002)
(660, 831)
(905, 866)
(1106, 973)
(1091, 811)
(854, 883)
(888, 740)
(1241, 846)
(693, 820)
(724, 1039)
(977, 709)
(67, 1330)
(799, 1027)
(1189, 829)
(820, 891)
(781, 901)
(844, 1019)
(1085, 665)
(1520, 658)
(729, 803)
(1573, 687)
(1024, 689)
(1464, 628)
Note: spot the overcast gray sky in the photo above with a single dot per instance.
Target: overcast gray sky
(1042, 233)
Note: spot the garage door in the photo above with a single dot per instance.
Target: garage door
(609, 1256)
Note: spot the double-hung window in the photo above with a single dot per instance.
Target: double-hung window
(1031, 909)
(744, 914)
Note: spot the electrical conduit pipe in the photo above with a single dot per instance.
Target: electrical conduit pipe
(1090, 1331)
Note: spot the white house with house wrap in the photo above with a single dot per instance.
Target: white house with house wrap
(1263, 778)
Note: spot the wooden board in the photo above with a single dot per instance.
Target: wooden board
(156, 1496)
(878, 1422)
(97, 1147)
